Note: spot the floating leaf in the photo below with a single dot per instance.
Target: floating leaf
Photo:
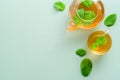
(100, 41)
(89, 15)
(87, 3)
(80, 13)
(76, 20)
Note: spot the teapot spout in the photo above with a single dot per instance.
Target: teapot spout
(71, 27)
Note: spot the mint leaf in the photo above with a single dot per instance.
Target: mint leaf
(80, 13)
(110, 20)
(87, 3)
(89, 15)
(81, 52)
(60, 6)
(100, 41)
(95, 45)
(86, 67)
(76, 20)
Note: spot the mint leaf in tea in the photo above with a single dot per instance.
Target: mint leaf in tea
(82, 17)
(100, 41)
(76, 20)
(80, 13)
(89, 15)
(87, 3)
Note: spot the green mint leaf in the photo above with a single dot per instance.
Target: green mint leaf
(86, 67)
(110, 20)
(81, 52)
(60, 6)
(80, 13)
(76, 20)
(94, 45)
(87, 3)
(100, 41)
(89, 15)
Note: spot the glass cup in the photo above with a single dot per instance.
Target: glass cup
(97, 7)
(100, 50)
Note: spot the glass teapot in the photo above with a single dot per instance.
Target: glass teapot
(96, 7)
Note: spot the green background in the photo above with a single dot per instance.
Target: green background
(34, 44)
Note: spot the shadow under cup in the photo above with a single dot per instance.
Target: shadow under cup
(97, 7)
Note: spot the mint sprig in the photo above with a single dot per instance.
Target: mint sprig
(82, 15)
(100, 41)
